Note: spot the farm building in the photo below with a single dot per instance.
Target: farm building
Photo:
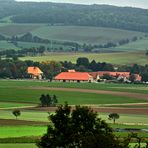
(72, 76)
(138, 77)
(97, 75)
(35, 72)
(125, 75)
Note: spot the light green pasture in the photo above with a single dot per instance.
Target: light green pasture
(114, 58)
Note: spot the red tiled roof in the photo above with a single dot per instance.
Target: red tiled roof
(138, 77)
(34, 70)
(94, 74)
(113, 74)
(76, 76)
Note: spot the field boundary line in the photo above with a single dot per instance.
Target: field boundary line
(116, 93)
(21, 107)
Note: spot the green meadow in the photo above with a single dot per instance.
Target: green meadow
(122, 58)
(19, 93)
(4, 45)
(13, 104)
(12, 29)
(138, 45)
(27, 115)
(48, 45)
(20, 131)
(137, 121)
(82, 34)
(22, 145)
(73, 98)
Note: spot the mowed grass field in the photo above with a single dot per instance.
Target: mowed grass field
(30, 91)
(20, 145)
(114, 58)
(21, 131)
(12, 29)
(13, 93)
(79, 34)
(13, 104)
(37, 45)
(138, 45)
(24, 145)
(73, 98)
(132, 121)
(136, 121)
(82, 34)
(4, 45)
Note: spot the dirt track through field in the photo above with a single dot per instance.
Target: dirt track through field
(126, 94)
(12, 122)
(121, 110)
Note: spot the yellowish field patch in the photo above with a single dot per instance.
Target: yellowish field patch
(114, 58)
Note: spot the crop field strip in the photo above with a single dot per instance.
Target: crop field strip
(23, 125)
(8, 105)
(18, 145)
(29, 92)
(11, 29)
(93, 97)
(68, 33)
(128, 58)
(92, 35)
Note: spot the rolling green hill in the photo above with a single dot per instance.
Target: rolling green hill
(114, 58)
(10, 29)
(138, 45)
(70, 14)
(89, 35)
(80, 34)
(4, 45)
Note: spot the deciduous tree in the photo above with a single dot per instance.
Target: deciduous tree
(114, 117)
(16, 113)
(78, 128)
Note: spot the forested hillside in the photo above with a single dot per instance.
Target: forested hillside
(70, 14)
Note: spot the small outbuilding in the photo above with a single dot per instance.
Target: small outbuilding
(35, 72)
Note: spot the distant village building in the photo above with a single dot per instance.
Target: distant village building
(138, 77)
(73, 76)
(98, 75)
(35, 72)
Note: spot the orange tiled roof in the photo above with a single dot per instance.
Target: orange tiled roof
(76, 76)
(113, 74)
(138, 77)
(34, 70)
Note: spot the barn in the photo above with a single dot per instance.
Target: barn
(72, 76)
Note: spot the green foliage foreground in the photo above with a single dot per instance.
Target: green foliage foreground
(79, 128)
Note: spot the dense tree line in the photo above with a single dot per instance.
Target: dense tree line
(70, 14)
(23, 52)
(14, 68)
(72, 46)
